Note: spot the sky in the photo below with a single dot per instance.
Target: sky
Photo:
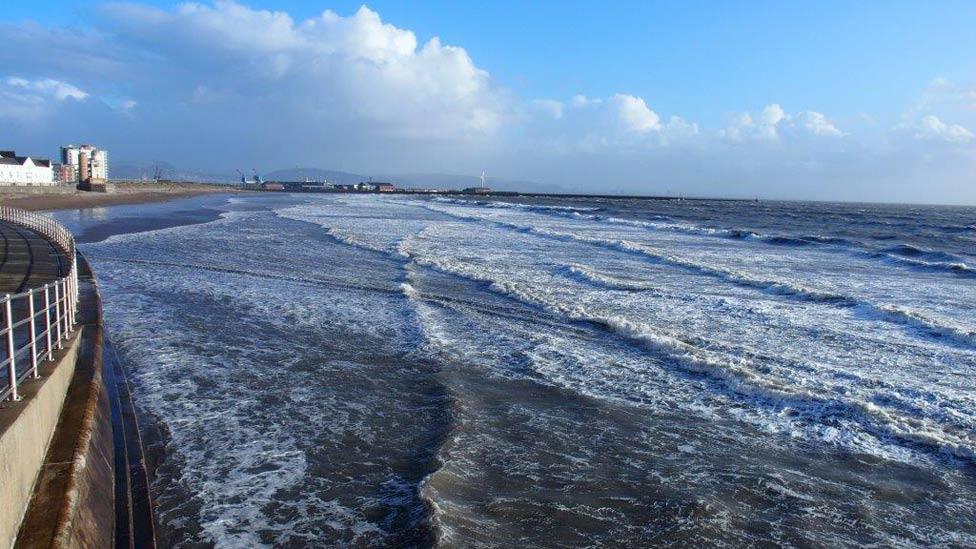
(867, 101)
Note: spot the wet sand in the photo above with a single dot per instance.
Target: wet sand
(124, 193)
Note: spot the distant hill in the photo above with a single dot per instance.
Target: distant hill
(139, 170)
(316, 174)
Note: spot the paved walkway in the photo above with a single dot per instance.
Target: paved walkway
(27, 259)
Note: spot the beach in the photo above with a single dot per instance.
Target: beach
(60, 198)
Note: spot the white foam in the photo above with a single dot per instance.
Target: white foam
(797, 344)
(868, 426)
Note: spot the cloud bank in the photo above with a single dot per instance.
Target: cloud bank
(215, 86)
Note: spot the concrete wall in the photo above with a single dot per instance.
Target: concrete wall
(73, 504)
(57, 452)
(26, 428)
(15, 191)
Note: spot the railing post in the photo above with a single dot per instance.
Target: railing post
(69, 303)
(11, 365)
(68, 307)
(77, 291)
(71, 298)
(74, 295)
(57, 312)
(47, 320)
(33, 333)
(65, 307)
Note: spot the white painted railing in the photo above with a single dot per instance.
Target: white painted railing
(38, 321)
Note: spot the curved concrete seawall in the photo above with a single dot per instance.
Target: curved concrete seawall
(71, 467)
(73, 504)
(26, 428)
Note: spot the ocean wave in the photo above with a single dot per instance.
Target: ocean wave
(305, 280)
(515, 205)
(940, 330)
(904, 255)
(739, 377)
(732, 372)
(907, 250)
(915, 321)
(958, 228)
(918, 258)
(589, 275)
(284, 462)
(955, 268)
(648, 377)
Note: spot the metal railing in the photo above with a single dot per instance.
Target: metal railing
(38, 321)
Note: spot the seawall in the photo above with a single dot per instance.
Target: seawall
(26, 428)
(71, 455)
(73, 503)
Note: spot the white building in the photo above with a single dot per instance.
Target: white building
(24, 170)
(97, 160)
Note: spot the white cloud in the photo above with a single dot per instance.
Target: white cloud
(47, 87)
(773, 122)
(30, 101)
(579, 101)
(817, 124)
(944, 96)
(355, 70)
(619, 124)
(635, 114)
(932, 128)
(550, 106)
(678, 127)
(772, 115)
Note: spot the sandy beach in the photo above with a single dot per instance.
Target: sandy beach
(124, 193)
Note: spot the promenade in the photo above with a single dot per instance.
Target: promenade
(71, 467)
(27, 259)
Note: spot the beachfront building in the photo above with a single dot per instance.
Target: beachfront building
(65, 173)
(86, 160)
(24, 170)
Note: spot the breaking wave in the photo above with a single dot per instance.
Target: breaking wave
(914, 320)
(904, 254)
(591, 276)
(737, 375)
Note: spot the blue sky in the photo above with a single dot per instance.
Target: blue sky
(705, 57)
(876, 72)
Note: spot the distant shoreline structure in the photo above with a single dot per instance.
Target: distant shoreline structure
(305, 187)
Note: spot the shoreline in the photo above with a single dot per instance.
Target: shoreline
(59, 198)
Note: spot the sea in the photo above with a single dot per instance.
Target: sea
(338, 370)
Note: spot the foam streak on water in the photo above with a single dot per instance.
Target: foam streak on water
(336, 370)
